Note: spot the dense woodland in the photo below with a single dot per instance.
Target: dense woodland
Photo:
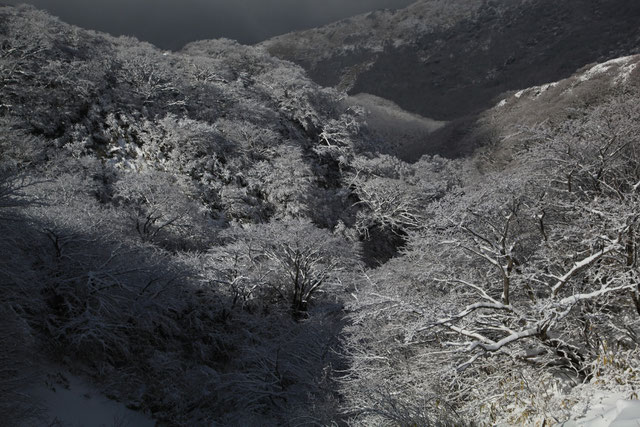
(213, 239)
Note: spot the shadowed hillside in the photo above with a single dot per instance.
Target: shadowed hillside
(446, 60)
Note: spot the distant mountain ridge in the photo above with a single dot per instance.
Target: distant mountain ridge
(449, 59)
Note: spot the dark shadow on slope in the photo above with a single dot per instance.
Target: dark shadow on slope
(391, 130)
(459, 138)
(381, 245)
(147, 327)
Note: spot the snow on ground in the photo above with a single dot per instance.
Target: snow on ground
(604, 67)
(69, 401)
(625, 72)
(608, 411)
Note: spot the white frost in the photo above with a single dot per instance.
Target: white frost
(604, 67)
(625, 73)
(620, 413)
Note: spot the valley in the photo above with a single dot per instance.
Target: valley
(418, 217)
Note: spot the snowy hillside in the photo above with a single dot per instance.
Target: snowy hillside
(208, 237)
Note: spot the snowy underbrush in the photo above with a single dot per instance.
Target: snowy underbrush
(527, 396)
(153, 328)
(17, 364)
(17, 369)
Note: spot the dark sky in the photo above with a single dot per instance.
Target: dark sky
(172, 23)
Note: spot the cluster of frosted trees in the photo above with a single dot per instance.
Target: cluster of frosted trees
(214, 239)
(521, 283)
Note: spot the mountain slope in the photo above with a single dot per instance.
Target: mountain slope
(504, 127)
(523, 279)
(212, 238)
(150, 205)
(445, 60)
